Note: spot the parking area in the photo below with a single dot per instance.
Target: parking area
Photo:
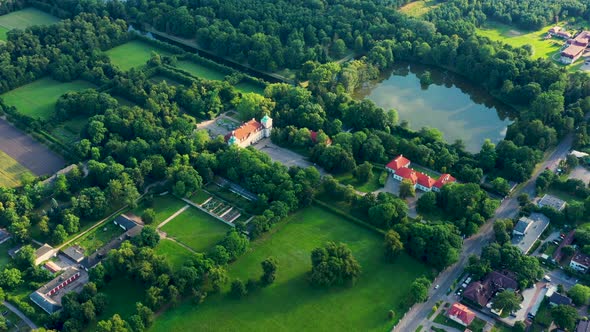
(284, 156)
(580, 173)
(221, 125)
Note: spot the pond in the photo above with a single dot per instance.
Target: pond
(451, 104)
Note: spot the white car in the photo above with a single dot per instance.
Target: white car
(436, 287)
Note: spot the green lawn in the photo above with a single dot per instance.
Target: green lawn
(123, 294)
(441, 318)
(542, 48)
(200, 71)
(200, 196)
(3, 32)
(133, 54)
(196, 229)
(418, 8)
(99, 236)
(38, 99)
(291, 304)
(4, 257)
(165, 206)
(174, 253)
(367, 187)
(564, 196)
(477, 325)
(246, 87)
(25, 18)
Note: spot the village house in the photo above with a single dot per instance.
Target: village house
(250, 132)
(461, 314)
(482, 292)
(399, 169)
(575, 48)
(580, 262)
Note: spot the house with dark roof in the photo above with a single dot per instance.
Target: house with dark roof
(580, 262)
(124, 222)
(575, 48)
(461, 314)
(75, 253)
(521, 226)
(558, 299)
(482, 292)
(49, 296)
(528, 230)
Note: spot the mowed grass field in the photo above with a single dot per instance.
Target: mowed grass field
(164, 206)
(37, 99)
(291, 304)
(11, 172)
(196, 229)
(3, 32)
(542, 48)
(200, 71)
(24, 18)
(133, 54)
(175, 254)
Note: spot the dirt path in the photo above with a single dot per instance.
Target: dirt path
(181, 210)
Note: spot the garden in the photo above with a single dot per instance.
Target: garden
(291, 303)
(99, 236)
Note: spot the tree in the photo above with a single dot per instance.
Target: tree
(10, 278)
(269, 268)
(506, 301)
(363, 172)
(419, 290)
(393, 245)
(580, 294)
(501, 186)
(148, 237)
(333, 264)
(238, 289)
(25, 257)
(568, 251)
(519, 326)
(565, 316)
(487, 156)
(427, 202)
(253, 105)
(406, 189)
(59, 235)
(148, 216)
(115, 324)
(236, 244)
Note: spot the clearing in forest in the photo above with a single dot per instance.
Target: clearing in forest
(133, 54)
(23, 19)
(291, 303)
(419, 8)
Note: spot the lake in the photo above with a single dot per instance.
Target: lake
(451, 104)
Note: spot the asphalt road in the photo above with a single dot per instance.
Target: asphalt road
(20, 314)
(472, 246)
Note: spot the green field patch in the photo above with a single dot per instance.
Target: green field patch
(199, 196)
(164, 206)
(246, 87)
(196, 229)
(291, 303)
(4, 257)
(161, 78)
(367, 187)
(99, 236)
(201, 71)
(542, 48)
(123, 294)
(175, 254)
(3, 32)
(132, 54)
(11, 172)
(22, 19)
(419, 8)
(442, 319)
(68, 132)
(38, 99)
(569, 198)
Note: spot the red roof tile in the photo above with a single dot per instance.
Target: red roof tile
(397, 163)
(444, 179)
(407, 173)
(462, 313)
(245, 130)
(425, 180)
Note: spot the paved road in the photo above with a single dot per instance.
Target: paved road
(509, 207)
(21, 315)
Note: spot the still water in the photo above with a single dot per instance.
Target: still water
(451, 104)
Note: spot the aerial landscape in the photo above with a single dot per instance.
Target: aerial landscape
(319, 165)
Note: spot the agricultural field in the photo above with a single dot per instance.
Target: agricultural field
(418, 8)
(200, 71)
(99, 236)
(291, 304)
(11, 172)
(23, 19)
(196, 229)
(133, 54)
(175, 254)
(542, 48)
(31, 154)
(38, 99)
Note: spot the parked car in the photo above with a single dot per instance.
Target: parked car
(547, 278)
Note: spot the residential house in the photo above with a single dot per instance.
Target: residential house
(482, 292)
(580, 262)
(124, 222)
(92, 260)
(552, 202)
(461, 314)
(250, 132)
(399, 168)
(442, 180)
(558, 299)
(49, 296)
(528, 230)
(397, 163)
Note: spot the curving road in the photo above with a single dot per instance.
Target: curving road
(20, 315)
(472, 246)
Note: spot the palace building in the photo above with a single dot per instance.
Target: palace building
(250, 132)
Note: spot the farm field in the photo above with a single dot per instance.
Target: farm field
(542, 48)
(164, 206)
(23, 19)
(11, 172)
(99, 237)
(31, 154)
(418, 8)
(174, 253)
(38, 99)
(133, 54)
(200, 71)
(291, 304)
(196, 229)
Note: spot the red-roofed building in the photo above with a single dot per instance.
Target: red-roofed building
(576, 48)
(425, 182)
(442, 180)
(397, 163)
(405, 173)
(250, 132)
(314, 138)
(461, 314)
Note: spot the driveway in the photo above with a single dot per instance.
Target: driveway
(285, 156)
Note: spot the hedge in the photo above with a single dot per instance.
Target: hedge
(348, 217)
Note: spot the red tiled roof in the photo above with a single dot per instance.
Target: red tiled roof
(425, 180)
(245, 130)
(314, 137)
(397, 163)
(462, 313)
(407, 173)
(444, 179)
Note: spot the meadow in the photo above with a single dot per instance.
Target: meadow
(23, 19)
(99, 236)
(37, 99)
(11, 172)
(200, 71)
(418, 8)
(3, 32)
(196, 229)
(246, 87)
(542, 48)
(133, 54)
(175, 254)
(291, 304)
(164, 206)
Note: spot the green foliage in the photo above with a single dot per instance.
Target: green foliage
(419, 290)
(565, 316)
(507, 301)
(579, 294)
(269, 269)
(332, 265)
(238, 289)
(406, 189)
(393, 245)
